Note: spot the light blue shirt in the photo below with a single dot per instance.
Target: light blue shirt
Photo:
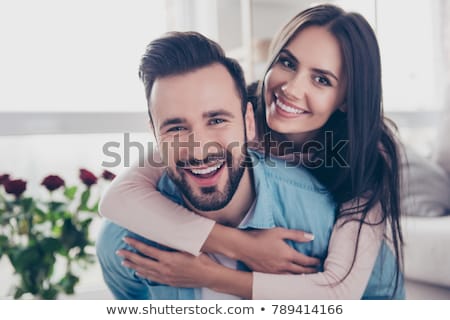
(288, 197)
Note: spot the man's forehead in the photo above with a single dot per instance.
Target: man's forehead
(198, 92)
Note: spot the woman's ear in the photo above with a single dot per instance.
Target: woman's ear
(250, 125)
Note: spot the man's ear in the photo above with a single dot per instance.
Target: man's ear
(343, 108)
(250, 124)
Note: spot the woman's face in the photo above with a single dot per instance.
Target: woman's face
(305, 84)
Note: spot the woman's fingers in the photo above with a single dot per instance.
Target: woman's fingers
(303, 260)
(147, 250)
(137, 259)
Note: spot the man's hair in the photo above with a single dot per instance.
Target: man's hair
(178, 53)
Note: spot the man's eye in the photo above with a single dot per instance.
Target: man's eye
(216, 121)
(176, 129)
(322, 80)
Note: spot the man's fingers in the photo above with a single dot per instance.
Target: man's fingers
(297, 235)
(303, 260)
(296, 269)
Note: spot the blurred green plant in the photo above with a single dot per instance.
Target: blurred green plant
(36, 233)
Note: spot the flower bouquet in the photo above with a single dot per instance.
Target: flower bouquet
(38, 233)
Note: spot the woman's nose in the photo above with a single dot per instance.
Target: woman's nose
(294, 88)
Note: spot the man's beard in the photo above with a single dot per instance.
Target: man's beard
(210, 198)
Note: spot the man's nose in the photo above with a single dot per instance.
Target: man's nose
(199, 144)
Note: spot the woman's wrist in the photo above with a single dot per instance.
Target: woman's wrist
(230, 281)
(225, 240)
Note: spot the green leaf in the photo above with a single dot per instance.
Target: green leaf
(49, 294)
(50, 245)
(56, 206)
(27, 204)
(71, 237)
(84, 200)
(18, 293)
(68, 283)
(70, 192)
(95, 207)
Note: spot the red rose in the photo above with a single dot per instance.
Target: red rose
(4, 178)
(52, 182)
(15, 187)
(87, 177)
(108, 175)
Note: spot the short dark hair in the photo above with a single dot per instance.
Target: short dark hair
(177, 53)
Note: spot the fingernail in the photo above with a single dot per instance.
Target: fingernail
(119, 253)
(126, 240)
(309, 236)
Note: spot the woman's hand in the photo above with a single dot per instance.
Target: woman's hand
(267, 251)
(176, 269)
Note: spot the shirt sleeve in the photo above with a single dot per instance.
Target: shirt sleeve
(133, 201)
(330, 284)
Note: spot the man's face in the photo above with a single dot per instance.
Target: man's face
(200, 129)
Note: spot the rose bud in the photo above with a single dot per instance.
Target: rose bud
(4, 178)
(52, 182)
(15, 187)
(108, 175)
(87, 177)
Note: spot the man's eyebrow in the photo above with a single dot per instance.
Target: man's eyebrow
(326, 72)
(171, 121)
(217, 113)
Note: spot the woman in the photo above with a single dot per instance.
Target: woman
(322, 88)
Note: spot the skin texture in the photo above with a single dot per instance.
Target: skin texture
(307, 77)
(200, 128)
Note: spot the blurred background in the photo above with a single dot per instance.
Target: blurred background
(69, 83)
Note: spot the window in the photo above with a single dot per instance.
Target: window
(75, 56)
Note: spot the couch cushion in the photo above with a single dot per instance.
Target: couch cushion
(442, 150)
(427, 257)
(425, 186)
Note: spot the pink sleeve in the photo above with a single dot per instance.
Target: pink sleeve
(327, 284)
(133, 202)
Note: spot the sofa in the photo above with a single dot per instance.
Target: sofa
(426, 220)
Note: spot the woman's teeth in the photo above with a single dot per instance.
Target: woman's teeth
(207, 170)
(288, 109)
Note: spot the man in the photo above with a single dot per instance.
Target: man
(201, 120)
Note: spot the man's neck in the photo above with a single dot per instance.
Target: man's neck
(234, 212)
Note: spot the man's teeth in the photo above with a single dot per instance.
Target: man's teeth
(206, 170)
(286, 108)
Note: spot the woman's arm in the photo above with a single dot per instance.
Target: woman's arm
(173, 268)
(133, 202)
(328, 284)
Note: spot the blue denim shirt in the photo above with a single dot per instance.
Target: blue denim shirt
(286, 197)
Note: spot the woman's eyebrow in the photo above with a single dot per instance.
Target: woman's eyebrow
(331, 74)
(288, 53)
(318, 70)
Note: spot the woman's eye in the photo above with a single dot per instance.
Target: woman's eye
(322, 80)
(285, 62)
(216, 121)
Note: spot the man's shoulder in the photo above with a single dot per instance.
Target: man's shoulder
(279, 171)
